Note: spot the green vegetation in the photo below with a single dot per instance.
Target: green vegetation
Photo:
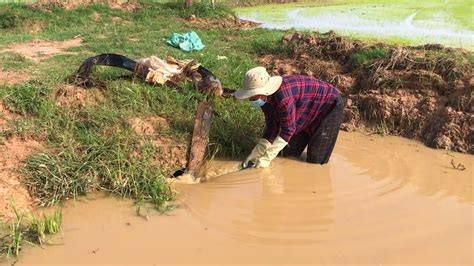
(369, 54)
(93, 147)
(204, 9)
(13, 61)
(27, 228)
(9, 20)
(387, 20)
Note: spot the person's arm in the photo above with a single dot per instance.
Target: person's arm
(269, 134)
(287, 112)
(272, 124)
(287, 118)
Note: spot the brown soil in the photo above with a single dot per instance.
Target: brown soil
(12, 78)
(73, 4)
(409, 93)
(96, 16)
(220, 23)
(76, 97)
(171, 155)
(16, 149)
(38, 50)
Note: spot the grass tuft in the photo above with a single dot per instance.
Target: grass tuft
(369, 55)
(202, 9)
(9, 19)
(29, 98)
(28, 228)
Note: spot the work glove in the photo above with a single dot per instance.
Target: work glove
(271, 152)
(257, 151)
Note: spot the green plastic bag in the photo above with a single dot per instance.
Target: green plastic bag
(188, 41)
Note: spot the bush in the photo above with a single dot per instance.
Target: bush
(9, 20)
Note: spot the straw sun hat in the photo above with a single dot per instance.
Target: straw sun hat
(258, 82)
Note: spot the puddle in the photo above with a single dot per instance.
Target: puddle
(380, 200)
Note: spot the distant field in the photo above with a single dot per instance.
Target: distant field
(442, 21)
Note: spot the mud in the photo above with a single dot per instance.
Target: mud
(379, 201)
(76, 97)
(421, 92)
(17, 148)
(40, 50)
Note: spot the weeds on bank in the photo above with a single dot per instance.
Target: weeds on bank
(93, 148)
(9, 20)
(203, 9)
(27, 228)
(368, 55)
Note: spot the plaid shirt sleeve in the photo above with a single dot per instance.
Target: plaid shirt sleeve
(272, 126)
(287, 112)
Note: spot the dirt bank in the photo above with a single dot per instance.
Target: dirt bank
(229, 22)
(73, 4)
(14, 150)
(423, 92)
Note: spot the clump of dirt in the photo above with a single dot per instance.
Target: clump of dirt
(13, 151)
(12, 78)
(5, 116)
(422, 92)
(170, 154)
(39, 50)
(74, 97)
(129, 6)
(220, 23)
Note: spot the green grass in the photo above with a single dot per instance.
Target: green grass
(453, 16)
(94, 148)
(27, 228)
(368, 55)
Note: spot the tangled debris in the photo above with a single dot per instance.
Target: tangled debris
(170, 72)
(422, 92)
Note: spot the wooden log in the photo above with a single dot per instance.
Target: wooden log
(200, 139)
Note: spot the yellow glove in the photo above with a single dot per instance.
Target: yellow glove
(271, 153)
(257, 151)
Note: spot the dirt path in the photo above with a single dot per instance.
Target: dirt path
(39, 50)
(371, 204)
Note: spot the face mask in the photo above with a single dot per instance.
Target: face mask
(257, 103)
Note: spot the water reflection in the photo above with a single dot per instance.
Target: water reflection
(404, 162)
(273, 206)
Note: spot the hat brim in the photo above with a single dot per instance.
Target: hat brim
(271, 87)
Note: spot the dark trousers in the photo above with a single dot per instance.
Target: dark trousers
(322, 142)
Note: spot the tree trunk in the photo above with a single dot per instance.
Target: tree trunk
(189, 3)
(200, 139)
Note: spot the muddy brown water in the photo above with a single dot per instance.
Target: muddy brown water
(380, 200)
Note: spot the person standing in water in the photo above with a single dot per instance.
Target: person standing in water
(299, 111)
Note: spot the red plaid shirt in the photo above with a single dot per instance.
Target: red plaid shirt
(298, 105)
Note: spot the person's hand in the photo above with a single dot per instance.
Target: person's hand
(271, 152)
(257, 151)
(247, 165)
